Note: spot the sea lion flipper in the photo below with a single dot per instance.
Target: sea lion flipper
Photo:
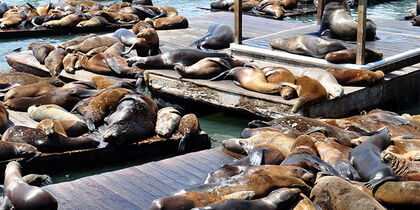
(197, 42)
(380, 130)
(113, 63)
(375, 183)
(288, 84)
(222, 76)
(346, 170)
(257, 124)
(182, 142)
(257, 157)
(37, 179)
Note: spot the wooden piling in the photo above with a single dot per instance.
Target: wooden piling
(320, 11)
(238, 21)
(361, 32)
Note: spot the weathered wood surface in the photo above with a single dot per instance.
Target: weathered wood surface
(136, 187)
(361, 32)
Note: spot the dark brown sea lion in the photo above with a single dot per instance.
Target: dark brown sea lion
(10, 150)
(22, 78)
(101, 105)
(47, 143)
(101, 82)
(65, 98)
(280, 74)
(285, 129)
(251, 78)
(40, 50)
(23, 195)
(366, 159)
(134, 119)
(168, 60)
(267, 8)
(91, 43)
(356, 77)
(189, 128)
(208, 68)
(68, 21)
(54, 61)
(349, 56)
(278, 199)
(76, 41)
(338, 20)
(166, 23)
(335, 193)
(218, 36)
(96, 21)
(168, 119)
(307, 45)
(69, 62)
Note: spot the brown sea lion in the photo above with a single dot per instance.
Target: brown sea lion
(356, 77)
(65, 98)
(406, 148)
(251, 78)
(23, 195)
(68, 21)
(12, 19)
(189, 127)
(399, 193)
(416, 20)
(349, 56)
(4, 117)
(43, 9)
(146, 42)
(134, 119)
(170, 11)
(96, 50)
(280, 74)
(96, 21)
(303, 203)
(168, 119)
(101, 82)
(246, 5)
(335, 193)
(76, 41)
(69, 62)
(31, 90)
(309, 91)
(22, 78)
(267, 8)
(101, 105)
(166, 23)
(263, 154)
(54, 61)
(40, 50)
(115, 17)
(307, 45)
(401, 166)
(285, 129)
(49, 127)
(10, 150)
(278, 199)
(208, 68)
(91, 43)
(71, 128)
(140, 26)
(47, 143)
(222, 4)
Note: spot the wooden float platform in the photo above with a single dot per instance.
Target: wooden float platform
(399, 41)
(136, 187)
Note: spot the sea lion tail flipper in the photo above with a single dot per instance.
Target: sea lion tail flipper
(288, 84)
(257, 157)
(31, 6)
(113, 63)
(197, 42)
(37, 179)
(257, 124)
(222, 76)
(380, 130)
(375, 183)
(130, 49)
(318, 129)
(346, 170)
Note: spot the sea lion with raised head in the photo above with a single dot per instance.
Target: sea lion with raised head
(208, 68)
(355, 77)
(10, 150)
(218, 36)
(168, 60)
(68, 21)
(48, 126)
(40, 50)
(23, 195)
(140, 26)
(307, 45)
(146, 42)
(134, 119)
(71, 128)
(189, 128)
(280, 74)
(168, 119)
(54, 61)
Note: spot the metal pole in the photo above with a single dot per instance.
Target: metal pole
(320, 11)
(238, 21)
(361, 32)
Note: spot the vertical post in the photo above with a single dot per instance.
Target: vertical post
(320, 11)
(361, 32)
(418, 7)
(238, 21)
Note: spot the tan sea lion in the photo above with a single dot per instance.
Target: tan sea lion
(76, 41)
(356, 77)
(208, 68)
(23, 195)
(251, 78)
(174, 22)
(407, 148)
(96, 21)
(303, 203)
(31, 90)
(68, 21)
(96, 50)
(115, 17)
(49, 127)
(168, 119)
(43, 9)
(170, 11)
(101, 82)
(246, 5)
(91, 43)
(12, 19)
(41, 50)
(69, 62)
(401, 166)
(280, 74)
(399, 193)
(349, 56)
(101, 105)
(71, 128)
(11, 150)
(54, 61)
(189, 127)
(335, 193)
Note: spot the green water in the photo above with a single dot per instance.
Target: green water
(220, 125)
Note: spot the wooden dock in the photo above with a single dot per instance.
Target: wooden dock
(136, 187)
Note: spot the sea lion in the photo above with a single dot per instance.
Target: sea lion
(146, 42)
(280, 74)
(416, 20)
(305, 124)
(4, 117)
(71, 128)
(208, 68)
(54, 61)
(268, 8)
(68, 21)
(134, 119)
(13, 19)
(41, 50)
(309, 91)
(140, 26)
(96, 21)
(338, 20)
(168, 119)
(76, 41)
(401, 166)
(43, 9)
(285, 129)
(251, 78)
(399, 193)
(366, 159)
(69, 62)
(101, 105)
(335, 193)
(96, 50)
(116, 17)
(189, 128)
(264, 154)
(166, 23)
(31, 90)
(222, 4)
(47, 143)
(3, 8)
(168, 60)
(65, 98)
(101, 82)
(356, 77)
(307, 45)
(349, 56)
(278, 199)
(10, 150)
(22, 78)
(219, 36)
(90, 43)
(23, 195)
(49, 127)
(407, 148)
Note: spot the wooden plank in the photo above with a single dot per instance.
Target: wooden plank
(186, 166)
(238, 21)
(81, 195)
(147, 169)
(361, 32)
(182, 175)
(65, 200)
(320, 11)
(143, 181)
